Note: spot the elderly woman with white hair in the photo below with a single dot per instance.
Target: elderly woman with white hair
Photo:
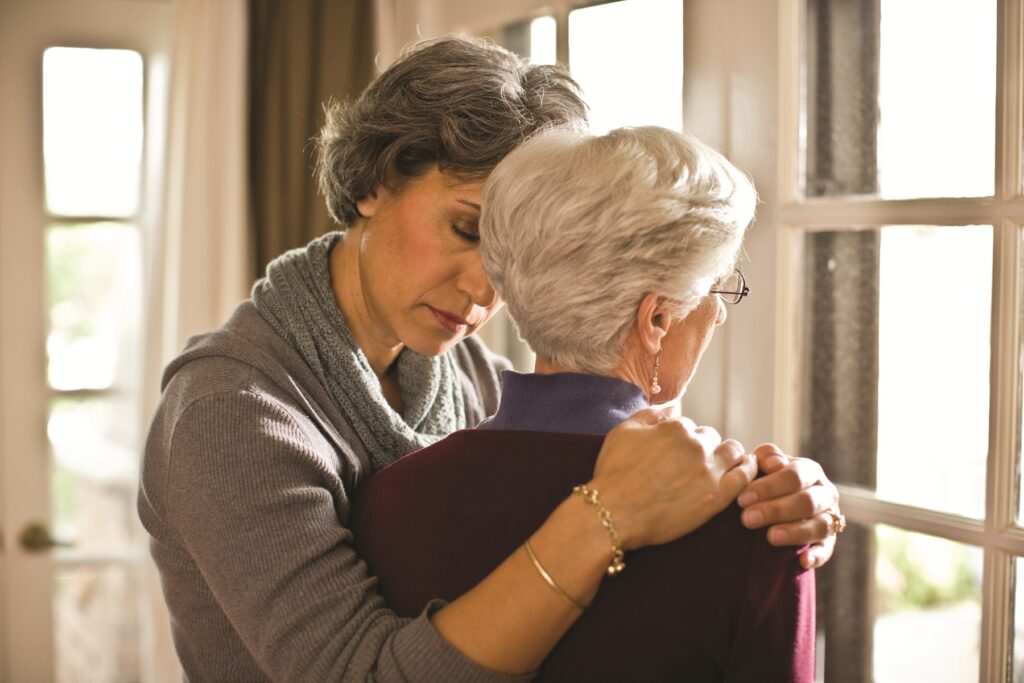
(616, 256)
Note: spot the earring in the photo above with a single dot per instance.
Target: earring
(655, 387)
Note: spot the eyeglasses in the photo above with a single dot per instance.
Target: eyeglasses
(731, 288)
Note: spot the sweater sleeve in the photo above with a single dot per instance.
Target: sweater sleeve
(774, 641)
(256, 507)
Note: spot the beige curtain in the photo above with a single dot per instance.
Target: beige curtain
(198, 256)
(301, 54)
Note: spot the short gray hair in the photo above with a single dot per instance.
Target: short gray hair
(462, 103)
(576, 229)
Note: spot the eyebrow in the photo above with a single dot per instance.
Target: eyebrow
(469, 203)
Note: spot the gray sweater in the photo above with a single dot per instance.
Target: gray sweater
(245, 489)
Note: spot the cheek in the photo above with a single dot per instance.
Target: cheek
(416, 260)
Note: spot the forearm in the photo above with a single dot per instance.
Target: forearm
(512, 619)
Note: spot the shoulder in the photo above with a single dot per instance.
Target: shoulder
(480, 370)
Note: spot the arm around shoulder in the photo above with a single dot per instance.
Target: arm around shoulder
(253, 504)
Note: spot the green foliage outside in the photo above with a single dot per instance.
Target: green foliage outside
(918, 572)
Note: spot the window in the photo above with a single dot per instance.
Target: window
(627, 56)
(902, 233)
(93, 118)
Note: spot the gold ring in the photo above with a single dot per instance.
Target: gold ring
(838, 524)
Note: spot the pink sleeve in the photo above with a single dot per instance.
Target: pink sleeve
(775, 634)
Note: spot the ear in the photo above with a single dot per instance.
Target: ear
(653, 320)
(367, 206)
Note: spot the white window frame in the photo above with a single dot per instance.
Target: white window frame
(999, 535)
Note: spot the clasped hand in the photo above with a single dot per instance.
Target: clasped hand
(665, 476)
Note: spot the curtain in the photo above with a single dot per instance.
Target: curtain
(301, 54)
(197, 254)
(841, 272)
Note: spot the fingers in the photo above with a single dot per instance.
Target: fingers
(730, 453)
(818, 553)
(709, 438)
(816, 529)
(771, 458)
(795, 507)
(737, 477)
(797, 474)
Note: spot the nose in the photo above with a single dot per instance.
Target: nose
(473, 283)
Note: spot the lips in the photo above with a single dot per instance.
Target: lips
(449, 321)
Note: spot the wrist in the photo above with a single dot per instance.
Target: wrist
(591, 496)
(627, 524)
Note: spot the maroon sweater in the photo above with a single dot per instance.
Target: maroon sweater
(717, 605)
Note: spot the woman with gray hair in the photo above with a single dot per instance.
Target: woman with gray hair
(354, 352)
(615, 255)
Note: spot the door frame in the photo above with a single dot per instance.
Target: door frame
(27, 28)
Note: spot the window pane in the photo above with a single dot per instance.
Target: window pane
(897, 361)
(94, 280)
(934, 366)
(97, 638)
(94, 471)
(900, 98)
(628, 58)
(533, 39)
(92, 131)
(896, 606)
(928, 608)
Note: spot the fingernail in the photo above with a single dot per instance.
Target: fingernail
(774, 460)
(778, 536)
(753, 518)
(746, 499)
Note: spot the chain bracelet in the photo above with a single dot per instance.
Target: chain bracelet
(618, 562)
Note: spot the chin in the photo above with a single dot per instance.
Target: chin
(432, 345)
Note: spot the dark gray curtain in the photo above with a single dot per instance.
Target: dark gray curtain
(841, 271)
(301, 54)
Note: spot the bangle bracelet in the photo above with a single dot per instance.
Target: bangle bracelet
(547, 578)
(618, 562)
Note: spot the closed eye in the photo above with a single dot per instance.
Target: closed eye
(469, 236)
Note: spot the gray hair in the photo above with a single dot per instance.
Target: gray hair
(576, 229)
(458, 102)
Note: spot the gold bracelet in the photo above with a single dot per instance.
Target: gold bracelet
(618, 562)
(549, 580)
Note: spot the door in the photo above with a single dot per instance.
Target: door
(80, 108)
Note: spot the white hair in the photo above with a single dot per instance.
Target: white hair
(576, 229)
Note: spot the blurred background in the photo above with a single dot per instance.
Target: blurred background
(154, 156)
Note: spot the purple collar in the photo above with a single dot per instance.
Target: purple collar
(566, 402)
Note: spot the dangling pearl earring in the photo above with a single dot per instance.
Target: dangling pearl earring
(655, 387)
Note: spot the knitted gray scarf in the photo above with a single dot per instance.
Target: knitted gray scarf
(296, 299)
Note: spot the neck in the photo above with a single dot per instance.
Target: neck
(380, 347)
(546, 367)
(629, 369)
